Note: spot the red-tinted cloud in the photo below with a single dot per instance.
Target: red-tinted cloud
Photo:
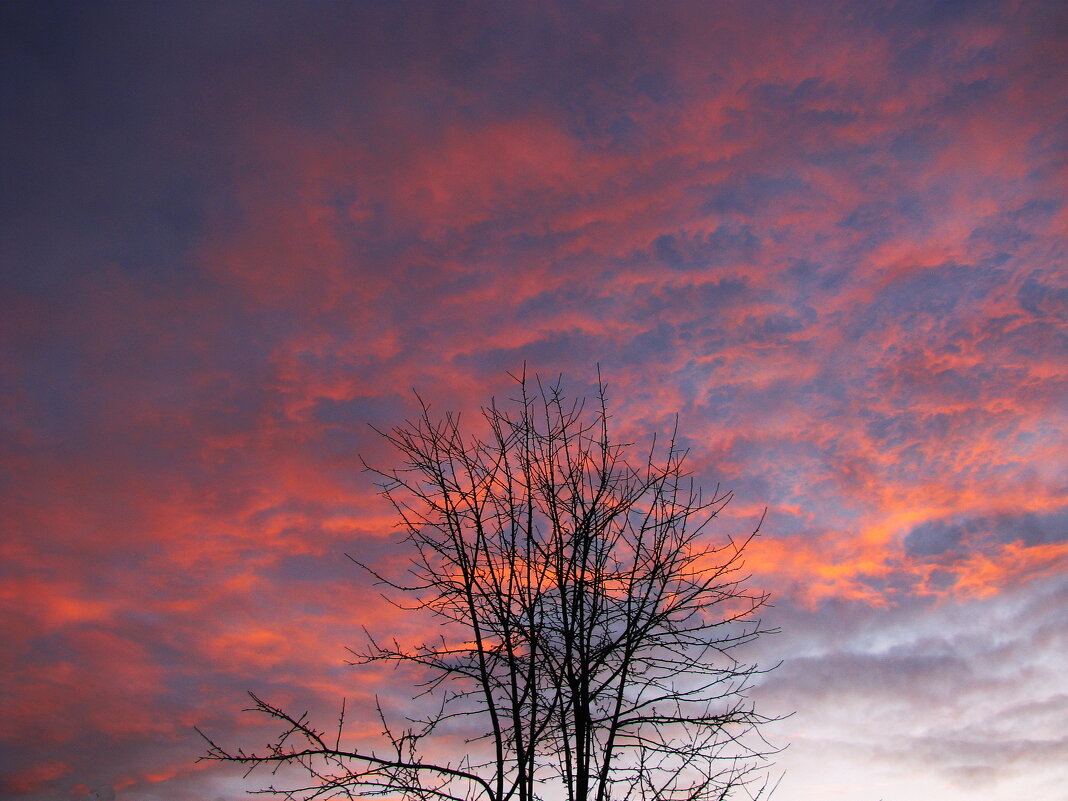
(832, 239)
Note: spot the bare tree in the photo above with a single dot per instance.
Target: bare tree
(588, 626)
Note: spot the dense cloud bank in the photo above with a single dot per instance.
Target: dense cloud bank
(830, 235)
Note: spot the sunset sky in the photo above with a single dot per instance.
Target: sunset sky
(831, 236)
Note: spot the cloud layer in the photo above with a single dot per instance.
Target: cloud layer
(829, 235)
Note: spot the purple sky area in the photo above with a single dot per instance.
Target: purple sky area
(830, 235)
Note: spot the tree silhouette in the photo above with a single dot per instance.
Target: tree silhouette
(588, 627)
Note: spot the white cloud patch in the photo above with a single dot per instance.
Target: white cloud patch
(956, 698)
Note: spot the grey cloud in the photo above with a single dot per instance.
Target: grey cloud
(1042, 299)
(727, 243)
(752, 193)
(962, 689)
(936, 537)
(544, 354)
(778, 326)
(359, 411)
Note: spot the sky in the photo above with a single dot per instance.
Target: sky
(831, 236)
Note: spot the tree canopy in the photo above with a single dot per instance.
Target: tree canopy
(588, 622)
